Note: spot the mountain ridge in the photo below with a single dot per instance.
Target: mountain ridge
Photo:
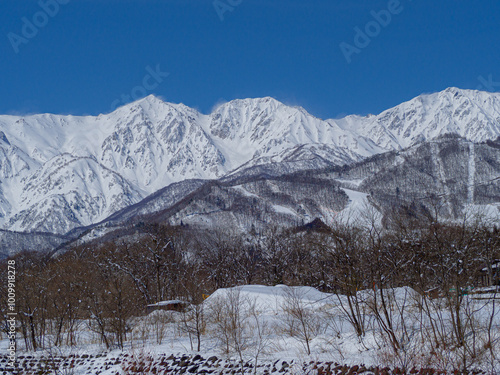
(59, 172)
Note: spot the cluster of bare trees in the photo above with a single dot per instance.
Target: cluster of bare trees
(102, 286)
(446, 310)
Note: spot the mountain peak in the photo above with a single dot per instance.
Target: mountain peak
(154, 107)
(253, 102)
(454, 90)
(151, 99)
(474, 115)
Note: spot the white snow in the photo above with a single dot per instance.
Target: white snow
(354, 183)
(283, 210)
(245, 192)
(357, 210)
(167, 303)
(272, 297)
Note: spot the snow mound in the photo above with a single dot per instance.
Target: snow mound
(271, 299)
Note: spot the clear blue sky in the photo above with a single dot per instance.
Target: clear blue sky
(88, 53)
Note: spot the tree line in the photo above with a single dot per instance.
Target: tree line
(105, 285)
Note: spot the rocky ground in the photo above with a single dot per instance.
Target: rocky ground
(125, 364)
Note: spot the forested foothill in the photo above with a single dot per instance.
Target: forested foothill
(419, 292)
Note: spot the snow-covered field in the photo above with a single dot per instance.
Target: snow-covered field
(259, 325)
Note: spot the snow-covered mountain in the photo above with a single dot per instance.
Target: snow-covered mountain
(60, 172)
(474, 115)
(444, 178)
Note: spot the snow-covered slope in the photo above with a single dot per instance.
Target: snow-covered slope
(259, 128)
(60, 172)
(474, 115)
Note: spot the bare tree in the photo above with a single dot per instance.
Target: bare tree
(344, 254)
(301, 321)
(194, 316)
(229, 313)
